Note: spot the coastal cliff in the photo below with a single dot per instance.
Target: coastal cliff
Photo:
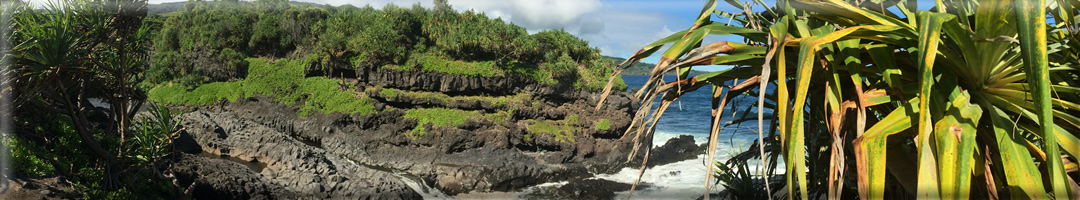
(343, 155)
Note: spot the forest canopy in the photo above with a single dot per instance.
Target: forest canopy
(209, 41)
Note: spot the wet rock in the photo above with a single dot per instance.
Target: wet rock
(674, 150)
(223, 179)
(593, 189)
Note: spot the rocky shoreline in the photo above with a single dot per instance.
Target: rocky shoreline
(327, 156)
(255, 148)
(528, 133)
(368, 156)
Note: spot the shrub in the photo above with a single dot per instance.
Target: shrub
(25, 160)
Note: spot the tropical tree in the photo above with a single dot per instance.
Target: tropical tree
(967, 99)
(74, 51)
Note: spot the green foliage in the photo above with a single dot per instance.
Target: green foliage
(328, 96)
(640, 68)
(501, 116)
(234, 60)
(66, 155)
(25, 160)
(437, 117)
(550, 45)
(165, 67)
(389, 93)
(434, 63)
(282, 80)
(498, 101)
(268, 35)
(603, 124)
(152, 135)
(193, 44)
(65, 54)
(887, 72)
(472, 35)
(562, 130)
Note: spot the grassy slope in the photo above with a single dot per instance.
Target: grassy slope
(282, 80)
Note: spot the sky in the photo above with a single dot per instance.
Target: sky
(616, 27)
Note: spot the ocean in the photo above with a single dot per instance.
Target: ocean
(690, 115)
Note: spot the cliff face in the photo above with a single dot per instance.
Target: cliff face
(515, 133)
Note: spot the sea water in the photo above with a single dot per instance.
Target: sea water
(689, 115)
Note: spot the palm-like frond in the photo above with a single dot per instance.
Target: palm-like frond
(976, 87)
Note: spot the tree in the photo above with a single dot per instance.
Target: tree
(442, 6)
(67, 55)
(967, 85)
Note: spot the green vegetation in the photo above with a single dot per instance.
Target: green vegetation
(388, 93)
(501, 116)
(641, 68)
(971, 86)
(208, 41)
(25, 160)
(281, 80)
(66, 54)
(603, 124)
(437, 117)
(202, 52)
(562, 130)
(433, 63)
(499, 101)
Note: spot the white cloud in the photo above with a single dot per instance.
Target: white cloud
(664, 32)
(626, 31)
(538, 14)
(373, 3)
(617, 28)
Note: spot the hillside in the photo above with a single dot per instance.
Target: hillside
(210, 41)
(640, 68)
(381, 94)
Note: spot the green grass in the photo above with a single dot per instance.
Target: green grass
(563, 130)
(388, 93)
(603, 124)
(434, 63)
(501, 116)
(438, 117)
(327, 96)
(282, 80)
(498, 101)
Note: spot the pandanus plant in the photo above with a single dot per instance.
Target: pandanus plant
(966, 98)
(71, 51)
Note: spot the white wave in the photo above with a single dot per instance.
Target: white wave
(679, 180)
